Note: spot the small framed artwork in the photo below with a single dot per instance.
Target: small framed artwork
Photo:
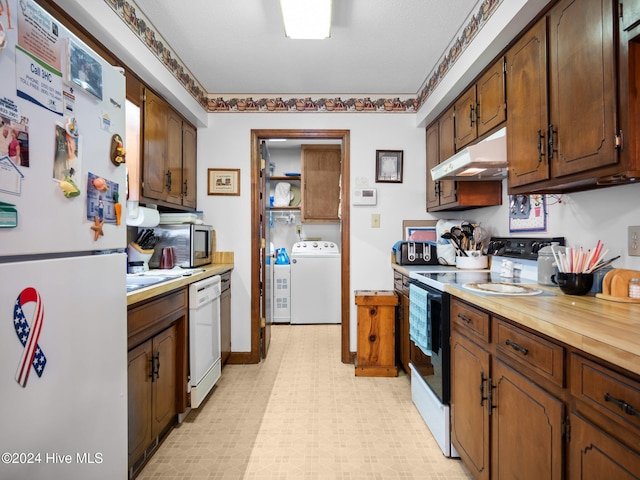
(389, 166)
(84, 70)
(223, 181)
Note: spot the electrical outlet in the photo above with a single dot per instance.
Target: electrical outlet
(298, 229)
(634, 241)
(375, 220)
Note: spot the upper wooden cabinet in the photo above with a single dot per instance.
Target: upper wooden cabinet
(450, 194)
(573, 143)
(321, 167)
(169, 156)
(440, 146)
(582, 133)
(482, 107)
(528, 118)
(629, 80)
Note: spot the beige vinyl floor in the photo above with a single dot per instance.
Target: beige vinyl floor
(302, 414)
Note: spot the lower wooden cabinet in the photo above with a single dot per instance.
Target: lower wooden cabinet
(503, 424)
(469, 404)
(225, 318)
(152, 390)
(157, 372)
(525, 406)
(594, 455)
(401, 287)
(526, 427)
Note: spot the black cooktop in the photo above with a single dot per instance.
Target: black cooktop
(524, 247)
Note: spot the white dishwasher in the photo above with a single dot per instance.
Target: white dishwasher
(204, 337)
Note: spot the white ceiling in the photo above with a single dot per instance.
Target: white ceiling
(384, 47)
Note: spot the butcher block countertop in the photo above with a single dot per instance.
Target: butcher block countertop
(154, 290)
(606, 329)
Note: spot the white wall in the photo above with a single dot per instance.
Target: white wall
(582, 218)
(226, 144)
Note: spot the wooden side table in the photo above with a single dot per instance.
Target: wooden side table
(375, 356)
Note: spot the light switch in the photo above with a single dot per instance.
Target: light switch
(375, 220)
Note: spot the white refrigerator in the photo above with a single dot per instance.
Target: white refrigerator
(63, 313)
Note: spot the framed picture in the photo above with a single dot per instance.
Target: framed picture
(389, 166)
(223, 181)
(84, 70)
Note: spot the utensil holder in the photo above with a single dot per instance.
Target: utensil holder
(135, 254)
(478, 263)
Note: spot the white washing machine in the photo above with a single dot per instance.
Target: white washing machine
(315, 283)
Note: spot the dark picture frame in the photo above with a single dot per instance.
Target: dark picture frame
(389, 166)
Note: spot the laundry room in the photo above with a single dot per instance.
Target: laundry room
(303, 230)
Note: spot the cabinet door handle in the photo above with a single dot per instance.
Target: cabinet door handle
(185, 187)
(168, 179)
(624, 406)
(516, 347)
(550, 142)
(472, 114)
(152, 368)
(464, 318)
(156, 359)
(490, 395)
(483, 379)
(540, 147)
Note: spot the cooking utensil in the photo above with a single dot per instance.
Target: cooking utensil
(604, 264)
(456, 244)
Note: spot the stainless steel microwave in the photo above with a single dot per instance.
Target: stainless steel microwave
(192, 244)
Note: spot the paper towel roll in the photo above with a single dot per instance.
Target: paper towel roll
(146, 217)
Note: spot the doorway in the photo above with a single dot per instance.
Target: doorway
(260, 329)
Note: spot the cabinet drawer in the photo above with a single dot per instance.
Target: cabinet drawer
(531, 351)
(615, 395)
(401, 283)
(469, 320)
(146, 320)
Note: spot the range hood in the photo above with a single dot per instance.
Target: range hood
(486, 160)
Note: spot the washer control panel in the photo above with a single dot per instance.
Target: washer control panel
(315, 246)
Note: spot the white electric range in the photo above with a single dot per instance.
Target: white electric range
(513, 262)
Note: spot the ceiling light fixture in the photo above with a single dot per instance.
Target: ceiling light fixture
(306, 19)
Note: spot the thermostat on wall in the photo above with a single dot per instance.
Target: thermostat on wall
(365, 196)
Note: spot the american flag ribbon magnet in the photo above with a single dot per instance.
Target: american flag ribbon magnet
(29, 335)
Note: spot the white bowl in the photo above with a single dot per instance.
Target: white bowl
(477, 263)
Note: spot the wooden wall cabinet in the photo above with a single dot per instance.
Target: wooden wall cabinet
(482, 107)
(629, 91)
(168, 157)
(321, 168)
(576, 141)
(157, 371)
(451, 194)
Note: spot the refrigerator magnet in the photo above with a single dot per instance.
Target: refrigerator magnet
(97, 228)
(117, 150)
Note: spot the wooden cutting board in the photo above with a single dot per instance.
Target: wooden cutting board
(615, 285)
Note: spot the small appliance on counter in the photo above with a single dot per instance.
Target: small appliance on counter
(193, 245)
(416, 253)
